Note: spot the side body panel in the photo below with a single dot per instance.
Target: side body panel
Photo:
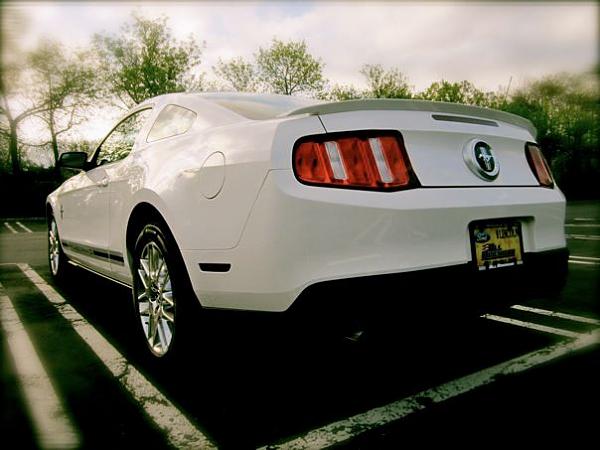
(82, 218)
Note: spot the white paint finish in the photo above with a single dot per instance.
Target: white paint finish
(435, 148)
(180, 432)
(307, 234)
(83, 214)
(532, 326)
(583, 237)
(211, 176)
(346, 429)
(10, 227)
(558, 314)
(51, 423)
(24, 227)
(281, 236)
(168, 180)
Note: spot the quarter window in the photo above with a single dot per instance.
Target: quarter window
(171, 121)
(120, 141)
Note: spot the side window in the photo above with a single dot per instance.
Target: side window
(171, 121)
(120, 142)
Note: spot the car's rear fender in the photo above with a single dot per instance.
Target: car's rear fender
(211, 180)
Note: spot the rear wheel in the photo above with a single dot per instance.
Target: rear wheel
(57, 260)
(158, 292)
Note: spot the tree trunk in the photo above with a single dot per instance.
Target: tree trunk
(55, 151)
(13, 149)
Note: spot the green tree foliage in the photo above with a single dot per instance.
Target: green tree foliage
(288, 68)
(145, 61)
(341, 92)
(565, 109)
(459, 92)
(239, 74)
(383, 83)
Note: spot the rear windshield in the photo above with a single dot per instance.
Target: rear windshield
(259, 107)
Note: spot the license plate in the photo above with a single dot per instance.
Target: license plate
(496, 244)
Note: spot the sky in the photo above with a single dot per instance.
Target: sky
(486, 43)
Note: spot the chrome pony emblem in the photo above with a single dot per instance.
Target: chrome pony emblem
(480, 158)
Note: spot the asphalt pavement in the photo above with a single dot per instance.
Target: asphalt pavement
(72, 377)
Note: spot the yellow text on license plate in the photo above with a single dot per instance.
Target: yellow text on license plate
(497, 245)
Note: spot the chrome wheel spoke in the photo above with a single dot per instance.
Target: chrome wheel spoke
(167, 298)
(152, 329)
(144, 271)
(152, 261)
(161, 271)
(143, 278)
(146, 324)
(162, 334)
(168, 317)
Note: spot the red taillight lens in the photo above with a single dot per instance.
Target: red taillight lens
(368, 161)
(538, 165)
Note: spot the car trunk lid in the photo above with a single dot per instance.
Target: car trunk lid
(441, 139)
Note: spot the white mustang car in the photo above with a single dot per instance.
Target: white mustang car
(262, 202)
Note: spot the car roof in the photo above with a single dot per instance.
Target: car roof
(269, 106)
(247, 105)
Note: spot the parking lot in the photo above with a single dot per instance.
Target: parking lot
(71, 377)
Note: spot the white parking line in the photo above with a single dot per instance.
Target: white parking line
(532, 326)
(586, 263)
(584, 219)
(346, 429)
(10, 227)
(24, 227)
(180, 432)
(583, 237)
(583, 225)
(590, 258)
(51, 423)
(560, 315)
(587, 260)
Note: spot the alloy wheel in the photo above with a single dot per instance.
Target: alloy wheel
(53, 248)
(155, 301)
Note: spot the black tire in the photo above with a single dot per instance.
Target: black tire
(160, 323)
(57, 260)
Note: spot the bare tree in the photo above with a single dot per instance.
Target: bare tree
(14, 109)
(65, 85)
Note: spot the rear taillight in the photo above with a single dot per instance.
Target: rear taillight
(369, 160)
(538, 165)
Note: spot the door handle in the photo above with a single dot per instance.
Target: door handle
(103, 182)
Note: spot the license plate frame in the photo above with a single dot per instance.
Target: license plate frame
(496, 244)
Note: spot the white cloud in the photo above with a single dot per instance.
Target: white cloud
(486, 43)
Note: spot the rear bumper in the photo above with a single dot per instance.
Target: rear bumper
(299, 236)
(449, 289)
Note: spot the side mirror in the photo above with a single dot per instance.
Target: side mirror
(73, 160)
